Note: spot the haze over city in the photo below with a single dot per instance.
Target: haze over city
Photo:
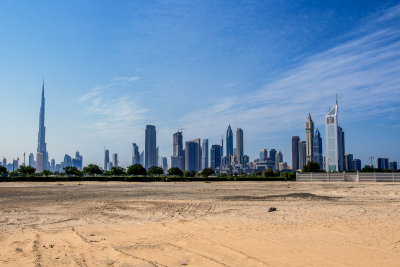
(112, 68)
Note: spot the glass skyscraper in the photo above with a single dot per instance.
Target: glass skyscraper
(42, 161)
(150, 147)
(335, 146)
(317, 148)
(229, 143)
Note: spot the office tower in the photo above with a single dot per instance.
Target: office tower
(142, 158)
(229, 142)
(335, 147)
(150, 147)
(135, 154)
(77, 162)
(239, 146)
(393, 166)
(67, 161)
(278, 159)
(192, 155)
(4, 162)
(115, 160)
(58, 168)
(31, 160)
(309, 138)
(215, 156)
(295, 152)
(106, 160)
(15, 165)
(53, 165)
(272, 154)
(282, 166)
(382, 163)
(204, 154)
(222, 145)
(39, 162)
(177, 144)
(317, 149)
(43, 165)
(164, 161)
(263, 154)
(302, 154)
(356, 164)
(348, 162)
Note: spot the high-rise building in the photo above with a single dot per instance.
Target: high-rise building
(42, 136)
(356, 164)
(278, 159)
(177, 144)
(106, 160)
(4, 162)
(53, 165)
(317, 149)
(263, 154)
(382, 163)
(229, 142)
(272, 154)
(302, 154)
(239, 146)
(164, 161)
(348, 162)
(31, 160)
(204, 154)
(67, 161)
(393, 166)
(39, 162)
(295, 152)
(282, 166)
(309, 138)
(334, 141)
(115, 159)
(135, 154)
(150, 147)
(215, 156)
(192, 155)
(77, 162)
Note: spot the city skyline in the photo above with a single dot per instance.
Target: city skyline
(269, 98)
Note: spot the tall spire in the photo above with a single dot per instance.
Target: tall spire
(42, 134)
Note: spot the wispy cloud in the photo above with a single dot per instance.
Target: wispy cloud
(127, 79)
(364, 71)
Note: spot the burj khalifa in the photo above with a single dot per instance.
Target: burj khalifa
(42, 157)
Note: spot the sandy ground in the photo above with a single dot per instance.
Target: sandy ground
(199, 224)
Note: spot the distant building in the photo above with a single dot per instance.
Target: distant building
(317, 149)
(245, 159)
(382, 163)
(115, 160)
(4, 162)
(150, 147)
(393, 166)
(272, 154)
(348, 162)
(263, 154)
(106, 160)
(341, 148)
(204, 154)
(278, 159)
(53, 165)
(309, 138)
(177, 145)
(356, 164)
(31, 160)
(334, 141)
(135, 154)
(44, 157)
(302, 154)
(193, 155)
(215, 156)
(239, 146)
(282, 166)
(229, 142)
(15, 164)
(164, 164)
(178, 162)
(77, 162)
(39, 162)
(295, 152)
(67, 161)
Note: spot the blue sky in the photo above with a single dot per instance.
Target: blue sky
(111, 67)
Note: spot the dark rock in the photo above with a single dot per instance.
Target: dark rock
(271, 209)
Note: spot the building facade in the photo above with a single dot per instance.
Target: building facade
(309, 138)
(150, 147)
(215, 156)
(295, 152)
(204, 154)
(135, 154)
(239, 146)
(229, 143)
(317, 149)
(193, 155)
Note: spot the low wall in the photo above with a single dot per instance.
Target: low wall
(348, 177)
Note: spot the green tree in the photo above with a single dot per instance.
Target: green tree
(72, 171)
(117, 170)
(207, 172)
(26, 170)
(175, 171)
(155, 170)
(268, 173)
(3, 170)
(46, 173)
(312, 167)
(136, 169)
(190, 174)
(92, 169)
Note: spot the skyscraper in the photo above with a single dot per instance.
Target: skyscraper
(309, 138)
(382, 163)
(67, 161)
(263, 154)
(356, 164)
(295, 152)
(278, 159)
(229, 143)
(177, 144)
(115, 159)
(150, 147)
(192, 155)
(317, 148)
(43, 165)
(135, 154)
(204, 154)
(239, 146)
(272, 154)
(334, 141)
(302, 154)
(215, 157)
(53, 165)
(32, 160)
(106, 159)
(348, 162)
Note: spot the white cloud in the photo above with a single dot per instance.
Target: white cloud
(127, 79)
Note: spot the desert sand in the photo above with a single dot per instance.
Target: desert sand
(199, 224)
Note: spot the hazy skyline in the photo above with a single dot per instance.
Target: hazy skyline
(111, 68)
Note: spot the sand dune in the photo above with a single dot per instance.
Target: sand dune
(199, 224)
